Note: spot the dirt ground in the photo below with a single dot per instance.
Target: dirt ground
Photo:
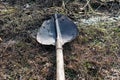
(93, 55)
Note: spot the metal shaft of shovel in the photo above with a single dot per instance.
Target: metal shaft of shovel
(59, 52)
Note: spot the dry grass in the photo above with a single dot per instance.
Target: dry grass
(94, 55)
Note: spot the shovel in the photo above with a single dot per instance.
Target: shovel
(57, 31)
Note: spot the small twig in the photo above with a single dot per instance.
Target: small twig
(1, 39)
(90, 8)
(86, 5)
(64, 3)
(4, 5)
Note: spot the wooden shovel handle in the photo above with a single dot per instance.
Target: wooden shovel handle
(60, 61)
